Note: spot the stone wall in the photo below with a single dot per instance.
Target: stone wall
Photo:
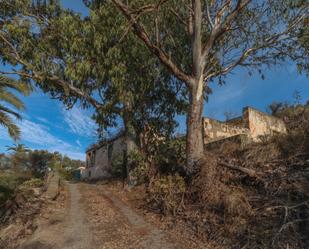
(253, 124)
(103, 155)
(261, 124)
(215, 130)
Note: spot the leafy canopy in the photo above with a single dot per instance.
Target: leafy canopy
(90, 61)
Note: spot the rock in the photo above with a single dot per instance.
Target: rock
(36, 192)
(8, 204)
(20, 199)
(28, 225)
(21, 232)
(10, 232)
(8, 212)
(28, 232)
(19, 220)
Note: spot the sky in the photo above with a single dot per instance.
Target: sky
(46, 123)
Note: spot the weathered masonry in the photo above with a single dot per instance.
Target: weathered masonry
(251, 126)
(99, 156)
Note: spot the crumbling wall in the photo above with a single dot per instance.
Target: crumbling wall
(104, 155)
(261, 124)
(253, 124)
(214, 130)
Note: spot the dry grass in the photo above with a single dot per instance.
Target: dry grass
(267, 209)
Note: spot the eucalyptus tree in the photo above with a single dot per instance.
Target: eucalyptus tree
(7, 99)
(203, 41)
(197, 41)
(89, 61)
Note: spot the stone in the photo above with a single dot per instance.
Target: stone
(253, 124)
(28, 232)
(20, 199)
(36, 192)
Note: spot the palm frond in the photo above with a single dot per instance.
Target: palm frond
(7, 122)
(11, 99)
(21, 87)
(7, 110)
(8, 97)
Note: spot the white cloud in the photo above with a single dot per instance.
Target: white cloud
(39, 136)
(43, 120)
(79, 122)
(78, 143)
(37, 133)
(228, 92)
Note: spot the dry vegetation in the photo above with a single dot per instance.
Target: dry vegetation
(255, 196)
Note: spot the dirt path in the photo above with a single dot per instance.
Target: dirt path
(77, 234)
(93, 218)
(63, 227)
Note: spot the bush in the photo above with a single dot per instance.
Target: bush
(138, 167)
(171, 156)
(32, 183)
(117, 169)
(166, 194)
(8, 185)
(5, 194)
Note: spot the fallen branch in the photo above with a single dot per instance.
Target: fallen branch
(250, 172)
(305, 203)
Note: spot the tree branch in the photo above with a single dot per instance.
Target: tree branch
(250, 172)
(220, 28)
(141, 33)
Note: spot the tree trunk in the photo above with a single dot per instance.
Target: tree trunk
(195, 144)
(129, 133)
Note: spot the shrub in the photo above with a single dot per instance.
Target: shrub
(138, 167)
(117, 166)
(32, 183)
(171, 156)
(166, 194)
(5, 194)
(8, 185)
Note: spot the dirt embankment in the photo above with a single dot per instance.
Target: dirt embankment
(88, 216)
(20, 219)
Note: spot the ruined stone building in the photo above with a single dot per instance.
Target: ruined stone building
(253, 125)
(99, 156)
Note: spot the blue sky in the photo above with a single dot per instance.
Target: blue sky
(48, 125)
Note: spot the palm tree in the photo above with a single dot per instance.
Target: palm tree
(19, 156)
(18, 148)
(8, 98)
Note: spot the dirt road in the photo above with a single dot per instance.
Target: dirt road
(93, 218)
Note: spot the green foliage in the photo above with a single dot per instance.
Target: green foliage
(5, 194)
(138, 166)
(98, 61)
(32, 183)
(111, 71)
(296, 117)
(39, 161)
(9, 183)
(67, 167)
(171, 156)
(8, 98)
(25, 169)
(166, 194)
(117, 169)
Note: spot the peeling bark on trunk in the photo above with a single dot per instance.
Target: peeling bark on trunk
(195, 145)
